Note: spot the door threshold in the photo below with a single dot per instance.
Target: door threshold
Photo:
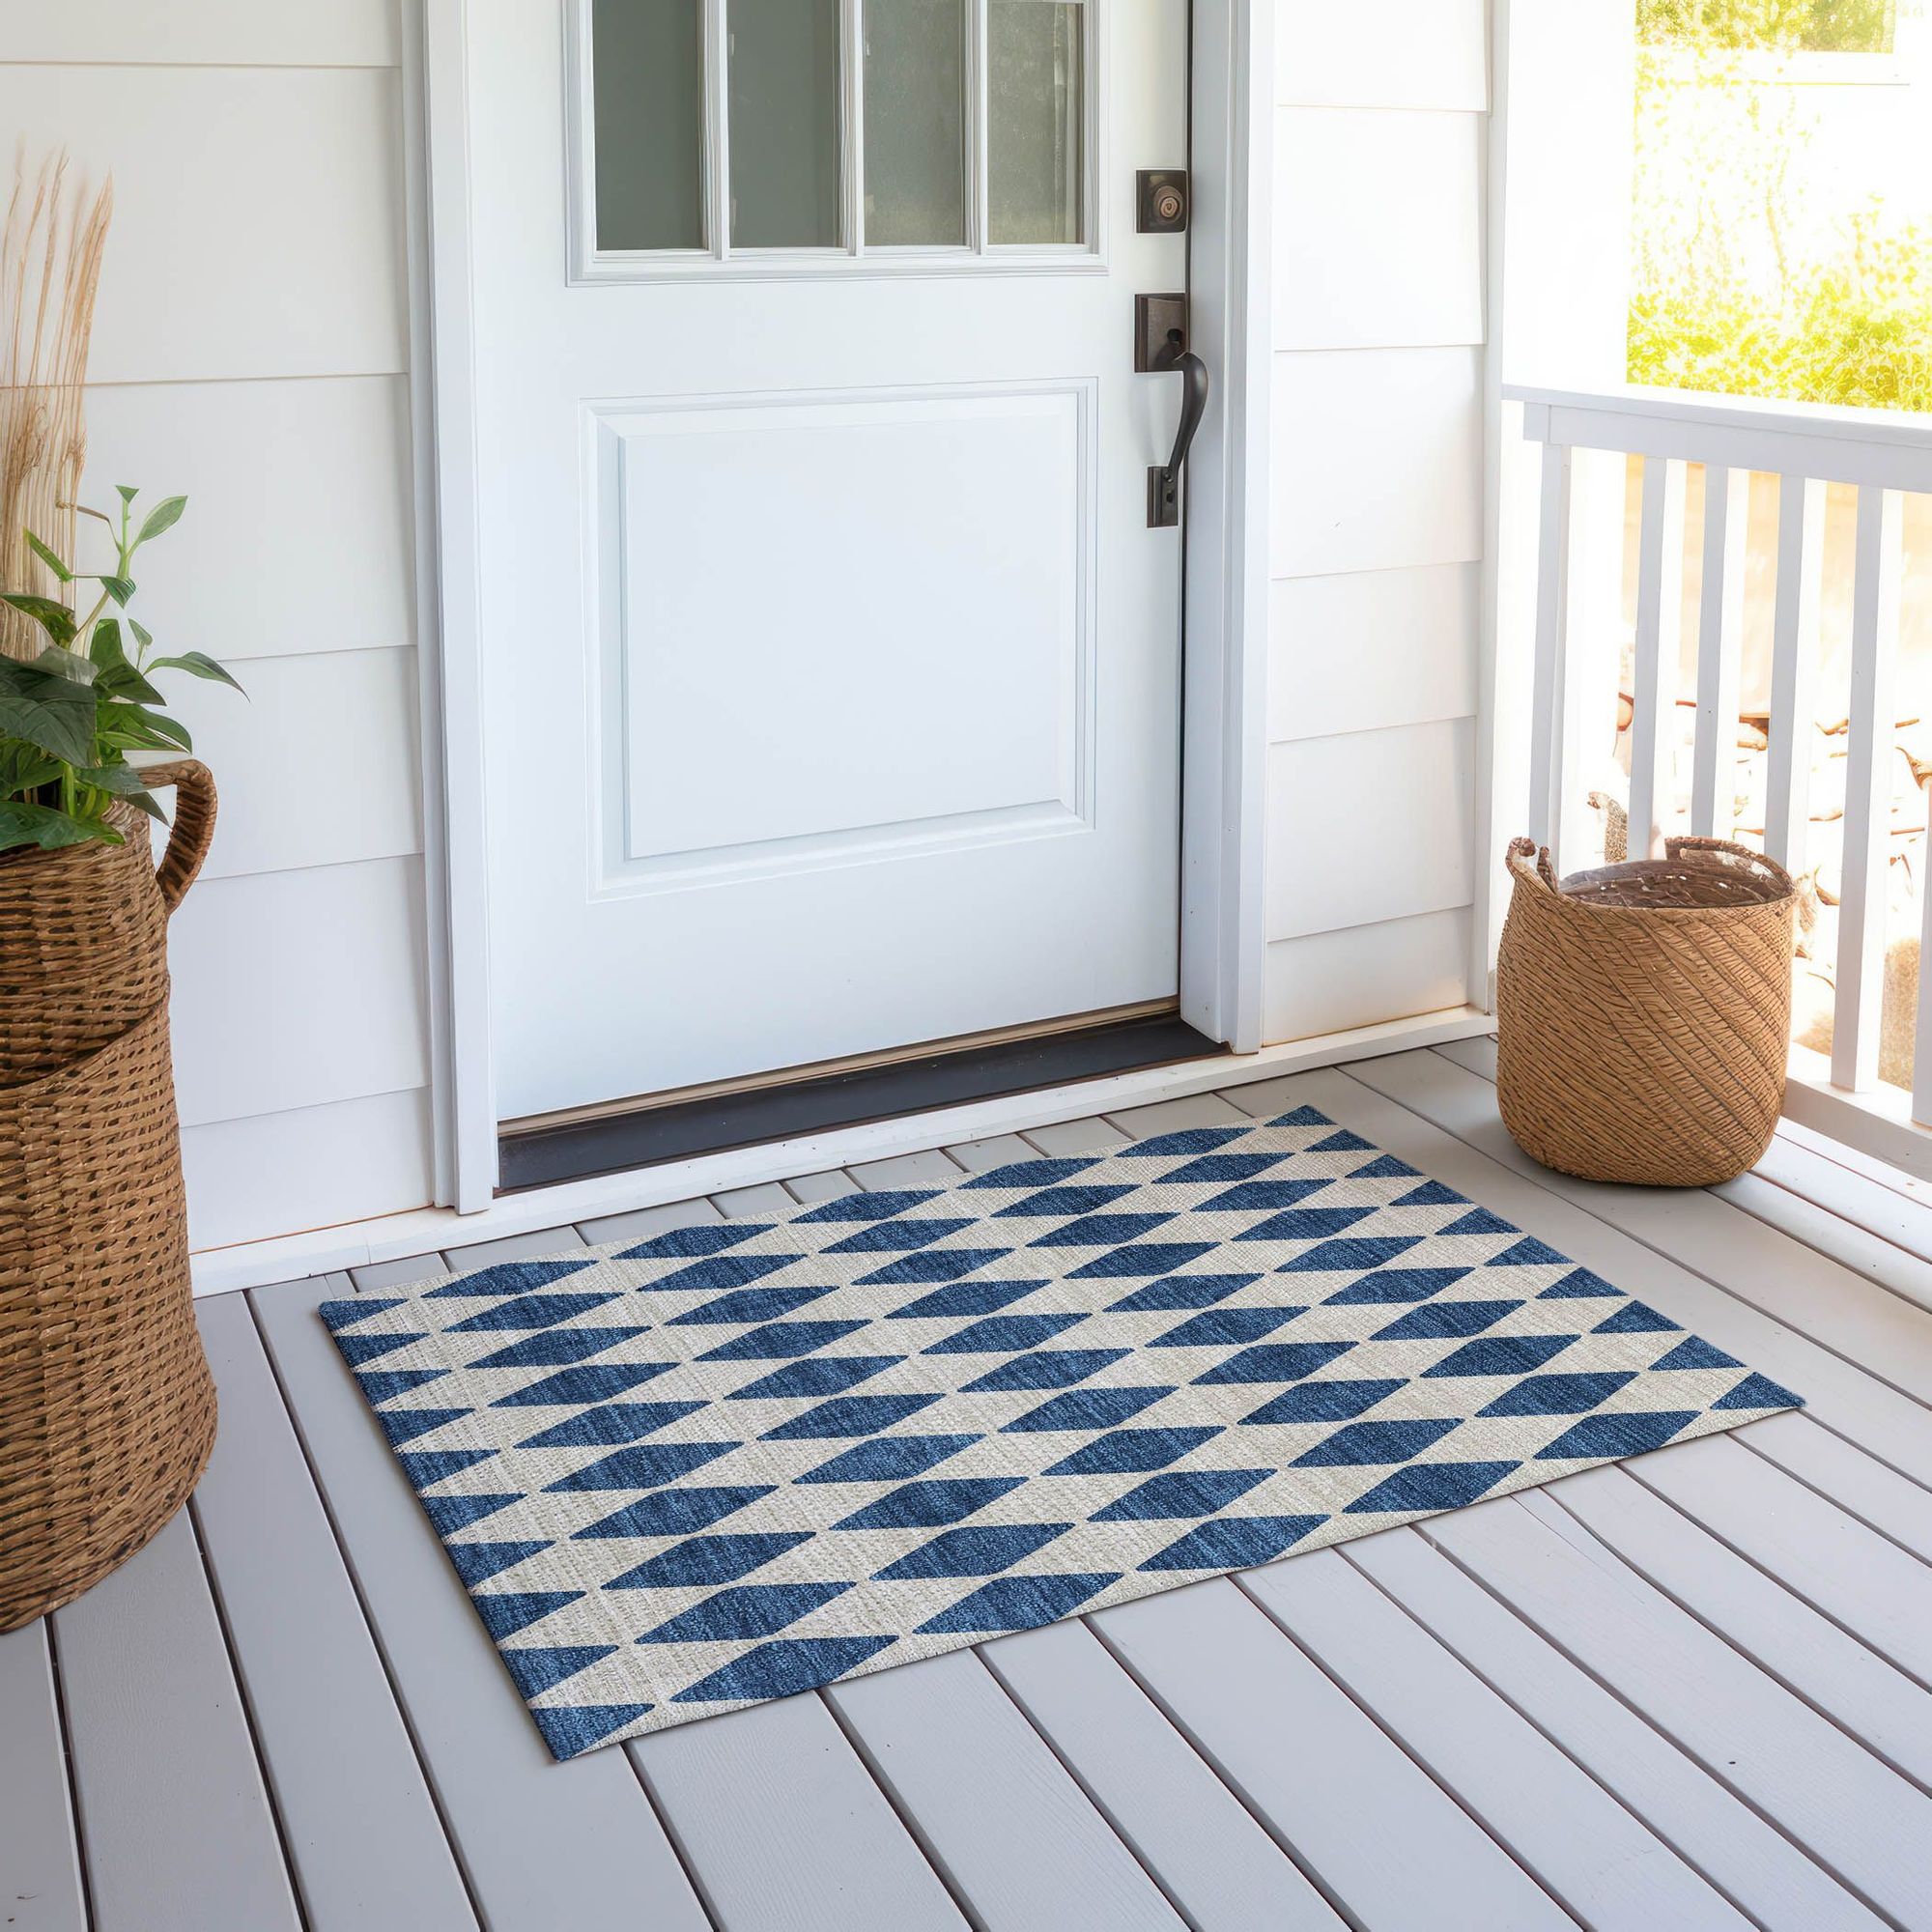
(654, 1133)
(423, 1231)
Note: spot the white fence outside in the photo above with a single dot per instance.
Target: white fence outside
(1584, 662)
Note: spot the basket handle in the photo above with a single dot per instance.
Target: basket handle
(1543, 872)
(193, 827)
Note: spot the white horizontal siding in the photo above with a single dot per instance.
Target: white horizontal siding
(221, 33)
(250, 350)
(298, 989)
(315, 765)
(311, 1167)
(1371, 648)
(1378, 459)
(1395, 53)
(257, 223)
(1378, 229)
(1370, 825)
(297, 536)
(1326, 981)
(1376, 490)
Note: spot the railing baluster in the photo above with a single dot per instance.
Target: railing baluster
(1660, 604)
(1868, 775)
(1720, 626)
(1793, 666)
(1552, 618)
(1921, 1041)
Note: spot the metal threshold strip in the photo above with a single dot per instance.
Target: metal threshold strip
(541, 1153)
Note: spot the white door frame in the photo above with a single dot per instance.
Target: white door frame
(1224, 722)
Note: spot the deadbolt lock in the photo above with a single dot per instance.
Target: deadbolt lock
(1162, 201)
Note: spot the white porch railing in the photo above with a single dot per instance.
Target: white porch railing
(1587, 656)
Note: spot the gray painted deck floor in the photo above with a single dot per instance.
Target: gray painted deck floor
(1688, 1691)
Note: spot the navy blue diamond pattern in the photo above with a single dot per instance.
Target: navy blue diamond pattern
(735, 1461)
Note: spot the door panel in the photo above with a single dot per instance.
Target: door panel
(832, 671)
(779, 713)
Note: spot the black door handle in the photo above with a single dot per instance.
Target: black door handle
(1164, 481)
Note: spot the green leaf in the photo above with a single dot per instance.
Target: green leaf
(57, 660)
(128, 727)
(119, 677)
(25, 768)
(50, 712)
(119, 779)
(55, 620)
(43, 826)
(143, 636)
(127, 492)
(197, 663)
(122, 782)
(47, 558)
(164, 516)
(120, 588)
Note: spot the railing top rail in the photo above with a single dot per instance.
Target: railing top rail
(1891, 448)
(1909, 427)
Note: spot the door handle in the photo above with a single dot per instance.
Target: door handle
(1164, 480)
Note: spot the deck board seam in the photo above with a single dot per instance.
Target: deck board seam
(1644, 1718)
(1239, 1580)
(1905, 1254)
(1277, 1835)
(463, 1875)
(949, 1880)
(1086, 1790)
(1742, 1437)
(1502, 1693)
(1724, 1542)
(688, 1864)
(1866, 1449)
(263, 1769)
(76, 1820)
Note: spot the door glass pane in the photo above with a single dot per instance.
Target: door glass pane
(784, 123)
(1036, 143)
(648, 109)
(915, 123)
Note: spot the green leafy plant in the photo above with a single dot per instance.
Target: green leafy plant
(1759, 266)
(1822, 27)
(71, 715)
(1857, 330)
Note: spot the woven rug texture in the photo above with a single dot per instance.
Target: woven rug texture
(733, 1462)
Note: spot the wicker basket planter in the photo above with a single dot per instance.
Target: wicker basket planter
(1645, 1012)
(107, 1404)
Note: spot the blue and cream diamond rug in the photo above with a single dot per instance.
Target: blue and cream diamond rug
(740, 1461)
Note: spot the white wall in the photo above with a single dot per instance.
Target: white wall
(251, 349)
(1376, 486)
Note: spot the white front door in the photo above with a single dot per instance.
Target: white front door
(832, 671)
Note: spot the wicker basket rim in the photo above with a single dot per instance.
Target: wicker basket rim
(123, 816)
(1526, 873)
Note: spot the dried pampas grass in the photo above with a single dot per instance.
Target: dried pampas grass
(51, 251)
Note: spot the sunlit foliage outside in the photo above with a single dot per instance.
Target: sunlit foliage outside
(1782, 240)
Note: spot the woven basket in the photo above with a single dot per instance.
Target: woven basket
(1645, 1012)
(107, 1404)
